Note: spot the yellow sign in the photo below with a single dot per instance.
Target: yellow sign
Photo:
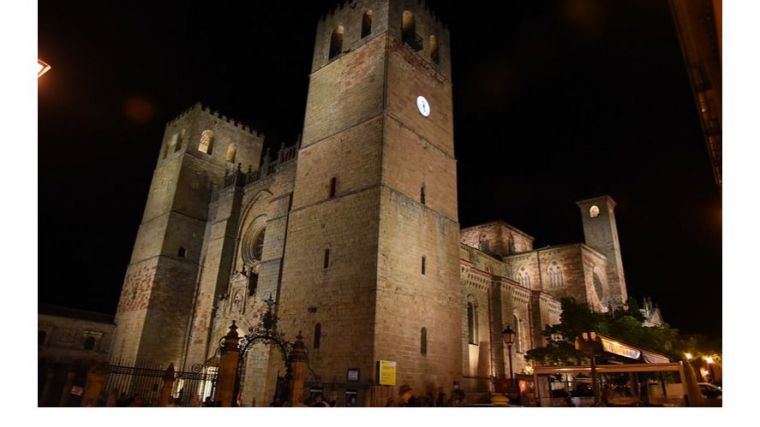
(387, 372)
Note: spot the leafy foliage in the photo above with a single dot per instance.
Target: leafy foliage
(624, 324)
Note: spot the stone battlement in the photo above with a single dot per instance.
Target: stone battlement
(198, 107)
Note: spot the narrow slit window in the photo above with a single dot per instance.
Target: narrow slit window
(422, 194)
(327, 259)
(253, 283)
(423, 341)
(423, 266)
(317, 335)
(182, 252)
(333, 186)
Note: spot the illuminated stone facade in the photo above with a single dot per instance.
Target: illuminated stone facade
(353, 231)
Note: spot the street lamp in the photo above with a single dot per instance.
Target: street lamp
(509, 339)
(42, 68)
(710, 368)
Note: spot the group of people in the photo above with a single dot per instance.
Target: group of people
(406, 398)
(122, 399)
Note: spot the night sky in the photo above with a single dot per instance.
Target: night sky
(554, 101)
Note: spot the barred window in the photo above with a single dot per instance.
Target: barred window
(207, 142)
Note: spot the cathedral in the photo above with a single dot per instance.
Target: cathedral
(353, 231)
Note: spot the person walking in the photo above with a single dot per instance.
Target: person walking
(407, 397)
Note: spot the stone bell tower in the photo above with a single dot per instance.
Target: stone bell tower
(600, 232)
(371, 264)
(156, 300)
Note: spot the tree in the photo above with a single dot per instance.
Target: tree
(624, 324)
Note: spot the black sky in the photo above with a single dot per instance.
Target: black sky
(554, 101)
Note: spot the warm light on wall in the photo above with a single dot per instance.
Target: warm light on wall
(42, 68)
(709, 360)
(688, 356)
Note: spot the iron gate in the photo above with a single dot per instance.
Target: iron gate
(141, 386)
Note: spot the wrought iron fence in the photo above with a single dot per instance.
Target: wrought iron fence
(141, 386)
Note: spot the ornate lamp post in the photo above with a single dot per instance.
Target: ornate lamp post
(509, 339)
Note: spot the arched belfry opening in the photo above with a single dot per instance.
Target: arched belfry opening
(434, 51)
(409, 31)
(367, 23)
(336, 41)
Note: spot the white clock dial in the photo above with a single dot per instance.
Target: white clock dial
(423, 106)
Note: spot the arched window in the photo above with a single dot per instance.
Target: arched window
(182, 252)
(41, 335)
(178, 145)
(408, 31)
(484, 245)
(171, 145)
(252, 247)
(317, 335)
(367, 23)
(231, 153)
(555, 276)
(434, 53)
(336, 42)
(594, 211)
(423, 341)
(524, 278)
(207, 142)
(89, 343)
(472, 323)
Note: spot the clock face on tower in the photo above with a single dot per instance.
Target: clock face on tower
(423, 106)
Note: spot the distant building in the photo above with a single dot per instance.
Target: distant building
(652, 314)
(70, 341)
(354, 232)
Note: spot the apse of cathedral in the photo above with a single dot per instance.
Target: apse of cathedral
(352, 231)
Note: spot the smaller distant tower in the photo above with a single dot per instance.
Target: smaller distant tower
(600, 233)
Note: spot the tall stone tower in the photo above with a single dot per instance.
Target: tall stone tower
(600, 232)
(157, 296)
(372, 256)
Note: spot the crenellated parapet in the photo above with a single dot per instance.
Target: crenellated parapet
(198, 107)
